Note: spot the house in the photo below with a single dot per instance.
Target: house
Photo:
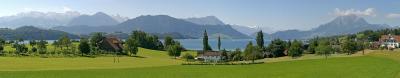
(389, 41)
(112, 44)
(210, 56)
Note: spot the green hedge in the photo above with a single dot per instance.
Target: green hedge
(197, 63)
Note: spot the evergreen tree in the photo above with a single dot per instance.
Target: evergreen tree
(206, 46)
(260, 39)
(219, 43)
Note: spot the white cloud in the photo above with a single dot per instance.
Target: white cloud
(66, 9)
(366, 12)
(393, 15)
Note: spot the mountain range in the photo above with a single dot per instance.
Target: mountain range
(33, 33)
(54, 19)
(159, 24)
(98, 19)
(348, 24)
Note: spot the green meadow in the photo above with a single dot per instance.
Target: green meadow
(156, 64)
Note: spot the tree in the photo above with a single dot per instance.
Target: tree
(131, 47)
(20, 48)
(206, 46)
(175, 50)
(260, 39)
(295, 49)
(64, 41)
(324, 48)
(362, 42)
(236, 55)
(34, 49)
(2, 43)
(312, 45)
(84, 46)
(42, 48)
(32, 42)
(219, 43)
(188, 56)
(277, 47)
(348, 45)
(1, 49)
(168, 41)
(250, 52)
(224, 55)
(147, 41)
(95, 40)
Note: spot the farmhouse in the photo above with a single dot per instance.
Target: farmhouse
(111, 43)
(389, 41)
(210, 56)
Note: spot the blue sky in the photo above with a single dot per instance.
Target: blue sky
(275, 14)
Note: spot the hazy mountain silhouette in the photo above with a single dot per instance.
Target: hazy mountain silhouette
(38, 19)
(159, 24)
(98, 19)
(30, 32)
(348, 24)
(208, 20)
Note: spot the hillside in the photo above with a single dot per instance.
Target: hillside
(30, 32)
(348, 24)
(98, 19)
(208, 20)
(158, 24)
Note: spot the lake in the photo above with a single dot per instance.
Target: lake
(228, 44)
(197, 44)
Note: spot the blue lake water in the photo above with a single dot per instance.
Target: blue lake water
(197, 44)
(228, 44)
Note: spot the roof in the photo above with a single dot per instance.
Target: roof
(211, 53)
(114, 42)
(385, 38)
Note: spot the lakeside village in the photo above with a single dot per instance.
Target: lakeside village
(98, 44)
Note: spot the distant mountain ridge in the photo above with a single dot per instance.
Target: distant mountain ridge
(212, 20)
(54, 19)
(38, 19)
(348, 24)
(33, 33)
(208, 20)
(159, 24)
(98, 19)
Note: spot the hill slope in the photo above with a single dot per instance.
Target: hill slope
(348, 24)
(30, 32)
(98, 19)
(159, 24)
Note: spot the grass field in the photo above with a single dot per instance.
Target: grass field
(375, 64)
(148, 58)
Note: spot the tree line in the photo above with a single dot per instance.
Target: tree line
(88, 46)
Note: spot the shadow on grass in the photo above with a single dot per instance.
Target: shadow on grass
(139, 56)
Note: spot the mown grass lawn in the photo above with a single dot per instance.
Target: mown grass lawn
(373, 65)
(147, 58)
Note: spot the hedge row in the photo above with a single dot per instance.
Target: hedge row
(197, 63)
